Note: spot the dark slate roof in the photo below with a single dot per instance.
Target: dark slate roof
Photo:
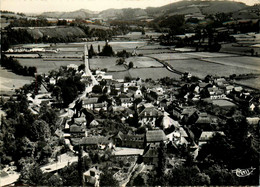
(155, 136)
(94, 140)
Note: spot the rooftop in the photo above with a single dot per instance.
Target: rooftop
(155, 136)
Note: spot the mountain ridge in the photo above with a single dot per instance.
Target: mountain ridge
(180, 7)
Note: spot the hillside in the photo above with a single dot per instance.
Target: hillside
(203, 7)
(82, 13)
(252, 12)
(124, 14)
(61, 32)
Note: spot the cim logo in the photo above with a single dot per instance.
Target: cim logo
(243, 172)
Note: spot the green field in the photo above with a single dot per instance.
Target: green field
(45, 66)
(10, 81)
(105, 62)
(141, 62)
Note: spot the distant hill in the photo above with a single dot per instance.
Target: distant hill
(203, 7)
(199, 8)
(125, 14)
(82, 13)
(251, 12)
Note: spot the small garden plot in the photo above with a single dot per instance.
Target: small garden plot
(140, 62)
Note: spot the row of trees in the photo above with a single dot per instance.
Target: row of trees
(16, 67)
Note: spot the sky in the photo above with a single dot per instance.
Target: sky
(39, 6)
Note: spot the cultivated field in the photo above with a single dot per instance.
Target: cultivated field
(105, 62)
(45, 66)
(198, 63)
(141, 62)
(202, 68)
(145, 73)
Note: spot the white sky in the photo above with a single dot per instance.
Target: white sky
(38, 6)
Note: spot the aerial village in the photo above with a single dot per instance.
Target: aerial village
(129, 121)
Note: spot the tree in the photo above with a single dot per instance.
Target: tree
(131, 65)
(31, 175)
(81, 67)
(107, 179)
(39, 130)
(161, 160)
(187, 176)
(220, 176)
(120, 61)
(139, 181)
(97, 89)
(70, 176)
(91, 51)
(107, 51)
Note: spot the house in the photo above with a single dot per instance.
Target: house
(178, 136)
(149, 115)
(99, 106)
(126, 102)
(92, 176)
(77, 131)
(52, 81)
(79, 120)
(216, 93)
(96, 142)
(167, 122)
(238, 89)
(207, 135)
(138, 94)
(73, 66)
(155, 137)
(150, 155)
(128, 140)
(189, 115)
(88, 103)
(204, 121)
(228, 89)
(253, 120)
(176, 112)
(126, 86)
(203, 85)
